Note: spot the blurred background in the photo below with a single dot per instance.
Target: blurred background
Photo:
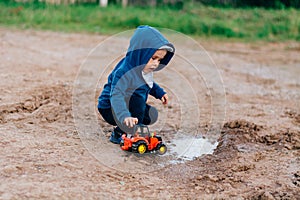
(248, 20)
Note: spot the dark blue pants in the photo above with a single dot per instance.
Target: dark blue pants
(138, 108)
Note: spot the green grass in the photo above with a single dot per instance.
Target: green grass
(193, 19)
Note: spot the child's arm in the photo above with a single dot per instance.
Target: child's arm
(165, 99)
(157, 92)
(117, 99)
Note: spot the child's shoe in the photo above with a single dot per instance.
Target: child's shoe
(115, 137)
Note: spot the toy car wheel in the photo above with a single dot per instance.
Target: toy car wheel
(141, 147)
(161, 149)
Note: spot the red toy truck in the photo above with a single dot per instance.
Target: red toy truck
(142, 141)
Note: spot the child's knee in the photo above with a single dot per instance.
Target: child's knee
(152, 116)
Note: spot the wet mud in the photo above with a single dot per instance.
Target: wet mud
(43, 156)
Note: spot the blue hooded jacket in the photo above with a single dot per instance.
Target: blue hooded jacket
(126, 79)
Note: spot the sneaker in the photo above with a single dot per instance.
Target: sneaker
(115, 138)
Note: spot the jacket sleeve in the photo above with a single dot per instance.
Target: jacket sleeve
(157, 91)
(118, 91)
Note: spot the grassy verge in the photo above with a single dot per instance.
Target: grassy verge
(193, 19)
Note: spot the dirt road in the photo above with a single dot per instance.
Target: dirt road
(44, 156)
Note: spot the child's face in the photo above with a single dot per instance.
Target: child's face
(155, 60)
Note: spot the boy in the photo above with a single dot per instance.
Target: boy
(122, 102)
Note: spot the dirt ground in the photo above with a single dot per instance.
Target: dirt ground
(44, 156)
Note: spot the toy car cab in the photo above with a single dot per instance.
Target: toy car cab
(141, 141)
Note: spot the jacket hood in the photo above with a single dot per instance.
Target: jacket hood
(144, 43)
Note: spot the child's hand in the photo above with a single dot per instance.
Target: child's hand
(164, 99)
(130, 121)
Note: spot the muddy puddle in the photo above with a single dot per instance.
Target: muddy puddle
(190, 148)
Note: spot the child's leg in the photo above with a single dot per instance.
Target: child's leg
(151, 115)
(145, 113)
(107, 116)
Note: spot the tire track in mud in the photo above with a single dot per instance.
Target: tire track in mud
(44, 104)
